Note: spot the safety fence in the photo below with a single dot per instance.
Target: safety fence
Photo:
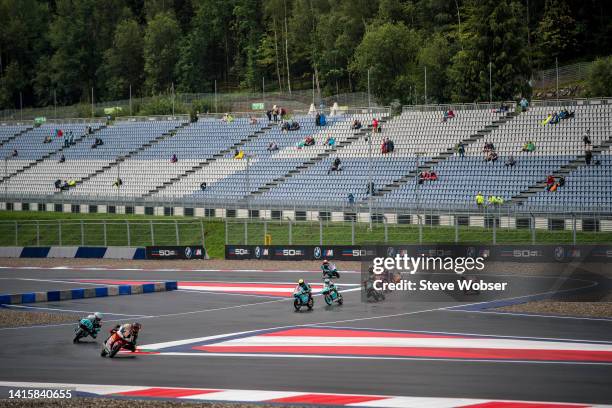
(104, 233)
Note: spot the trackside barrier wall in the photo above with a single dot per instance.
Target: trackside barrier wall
(83, 293)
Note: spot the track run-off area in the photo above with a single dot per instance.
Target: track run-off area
(232, 335)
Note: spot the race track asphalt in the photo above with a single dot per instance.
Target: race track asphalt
(46, 354)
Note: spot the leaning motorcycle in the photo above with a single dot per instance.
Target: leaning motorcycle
(114, 344)
(83, 329)
(331, 296)
(302, 299)
(331, 272)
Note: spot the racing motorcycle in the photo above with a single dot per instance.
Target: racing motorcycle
(331, 296)
(372, 293)
(114, 343)
(81, 332)
(302, 299)
(331, 272)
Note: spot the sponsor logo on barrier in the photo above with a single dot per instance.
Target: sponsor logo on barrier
(175, 252)
(317, 253)
(257, 252)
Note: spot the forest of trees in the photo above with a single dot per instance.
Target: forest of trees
(58, 50)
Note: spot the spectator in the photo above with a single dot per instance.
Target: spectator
(309, 141)
(14, 153)
(391, 145)
(238, 154)
(550, 181)
(561, 181)
(384, 148)
(174, 159)
(203, 186)
(320, 119)
(253, 120)
(555, 119)
(71, 182)
(351, 199)
(422, 177)
(64, 185)
(586, 138)
(461, 150)
(330, 141)
(356, 124)
(510, 162)
(433, 176)
(548, 119)
(375, 126)
(336, 166)
(275, 113)
(89, 130)
(269, 115)
(118, 183)
(272, 147)
(227, 118)
(588, 156)
(48, 139)
(285, 126)
(529, 146)
(58, 184)
(62, 159)
(491, 156)
(480, 199)
(450, 114)
(66, 142)
(294, 126)
(524, 104)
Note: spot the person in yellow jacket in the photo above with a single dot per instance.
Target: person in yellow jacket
(480, 199)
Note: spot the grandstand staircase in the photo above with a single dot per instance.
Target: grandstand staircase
(442, 156)
(134, 152)
(49, 154)
(16, 135)
(564, 170)
(210, 160)
(313, 160)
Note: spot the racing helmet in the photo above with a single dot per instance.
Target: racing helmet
(136, 326)
(327, 281)
(91, 317)
(301, 282)
(98, 316)
(325, 262)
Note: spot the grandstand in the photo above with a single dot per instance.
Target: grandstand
(138, 151)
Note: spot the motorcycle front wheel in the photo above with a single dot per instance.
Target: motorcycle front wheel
(296, 305)
(340, 301)
(115, 349)
(79, 334)
(328, 299)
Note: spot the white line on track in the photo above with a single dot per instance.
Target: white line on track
(597, 319)
(72, 310)
(77, 268)
(224, 293)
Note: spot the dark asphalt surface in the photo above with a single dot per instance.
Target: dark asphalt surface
(46, 354)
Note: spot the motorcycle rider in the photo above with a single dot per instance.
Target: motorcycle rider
(303, 287)
(330, 286)
(328, 269)
(91, 325)
(128, 332)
